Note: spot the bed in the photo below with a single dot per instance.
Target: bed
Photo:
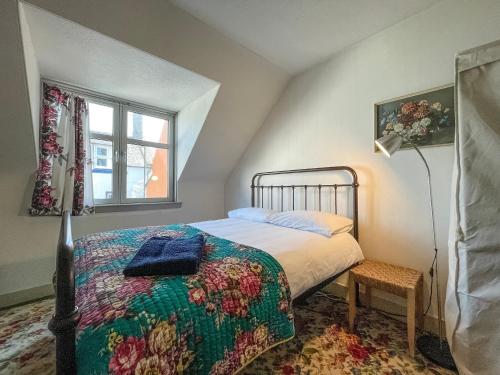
(217, 321)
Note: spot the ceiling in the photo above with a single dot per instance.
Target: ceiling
(297, 34)
(107, 66)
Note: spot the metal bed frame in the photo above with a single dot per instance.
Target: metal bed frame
(64, 321)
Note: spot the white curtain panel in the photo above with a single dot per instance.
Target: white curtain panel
(64, 175)
(473, 295)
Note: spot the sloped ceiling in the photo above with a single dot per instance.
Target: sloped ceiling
(249, 84)
(68, 52)
(296, 34)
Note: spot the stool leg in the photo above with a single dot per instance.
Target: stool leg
(410, 302)
(368, 295)
(352, 302)
(419, 300)
(420, 303)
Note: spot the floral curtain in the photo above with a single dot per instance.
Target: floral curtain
(63, 179)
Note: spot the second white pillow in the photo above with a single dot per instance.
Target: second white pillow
(261, 215)
(324, 223)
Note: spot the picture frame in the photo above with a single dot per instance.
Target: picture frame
(426, 118)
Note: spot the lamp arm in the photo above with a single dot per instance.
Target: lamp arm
(438, 296)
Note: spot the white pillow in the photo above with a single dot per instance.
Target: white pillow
(251, 213)
(324, 223)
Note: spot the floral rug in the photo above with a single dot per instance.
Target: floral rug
(26, 344)
(322, 344)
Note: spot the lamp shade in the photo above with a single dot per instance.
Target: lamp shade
(389, 143)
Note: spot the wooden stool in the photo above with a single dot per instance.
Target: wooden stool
(402, 281)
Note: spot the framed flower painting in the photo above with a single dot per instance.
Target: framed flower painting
(425, 118)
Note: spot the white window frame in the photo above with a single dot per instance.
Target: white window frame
(120, 140)
(124, 141)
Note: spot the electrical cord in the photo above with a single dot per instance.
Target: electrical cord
(431, 273)
(337, 300)
(312, 310)
(331, 297)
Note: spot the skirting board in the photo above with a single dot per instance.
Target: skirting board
(384, 305)
(23, 296)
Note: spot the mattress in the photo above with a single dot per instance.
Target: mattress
(307, 258)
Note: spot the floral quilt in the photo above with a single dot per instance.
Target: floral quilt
(216, 321)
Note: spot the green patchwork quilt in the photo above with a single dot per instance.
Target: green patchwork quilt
(214, 322)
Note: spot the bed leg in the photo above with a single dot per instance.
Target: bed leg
(64, 330)
(66, 317)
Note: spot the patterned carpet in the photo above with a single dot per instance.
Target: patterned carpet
(322, 344)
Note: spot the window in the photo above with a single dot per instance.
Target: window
(132, 151)
(102, 154)
(147, 144)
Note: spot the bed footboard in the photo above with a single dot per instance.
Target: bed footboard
(66, 317)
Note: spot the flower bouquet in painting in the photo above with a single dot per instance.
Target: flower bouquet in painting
(426, 119)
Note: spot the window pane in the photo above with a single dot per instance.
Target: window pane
(102, 151)
(100, 118)
(147, 128)
(102, 168)
(147, 172)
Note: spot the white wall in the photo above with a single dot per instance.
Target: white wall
(190, 121)
(325, 117)
(249, 87)
(32, 75)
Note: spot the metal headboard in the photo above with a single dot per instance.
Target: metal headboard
(258, 190)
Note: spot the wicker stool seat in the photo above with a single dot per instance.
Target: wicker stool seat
(401, 281)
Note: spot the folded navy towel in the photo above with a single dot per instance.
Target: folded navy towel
(167, 256)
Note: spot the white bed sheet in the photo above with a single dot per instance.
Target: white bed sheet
(307, 258)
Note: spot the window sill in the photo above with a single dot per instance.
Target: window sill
(136, 207)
